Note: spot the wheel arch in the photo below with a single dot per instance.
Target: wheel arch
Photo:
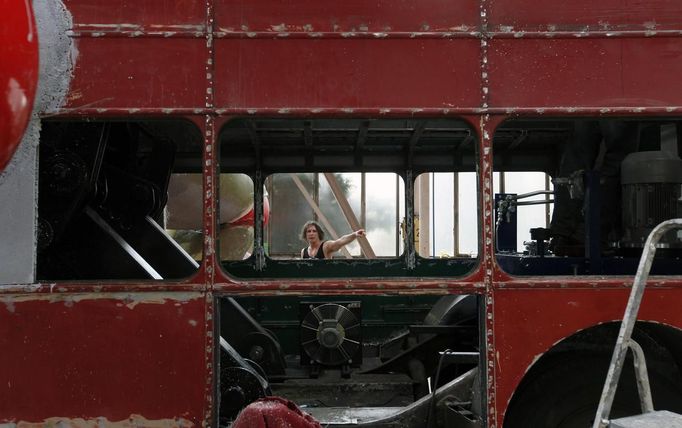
(662, 344)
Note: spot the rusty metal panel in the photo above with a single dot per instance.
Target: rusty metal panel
(136, 14)
(355, 16)
(596, 72)
(105, 356)
(122, 72)
(352, 73)
(584, 15)
(529, 322)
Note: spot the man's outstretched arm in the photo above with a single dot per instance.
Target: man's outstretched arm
(330, 247)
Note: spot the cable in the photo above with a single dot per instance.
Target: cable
(430, 419)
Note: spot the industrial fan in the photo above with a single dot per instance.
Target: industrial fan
(331, 334)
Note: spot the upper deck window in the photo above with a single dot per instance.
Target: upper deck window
(445, 210)
(347, 175)
(340, 203)
(119, 200)
(579, 196)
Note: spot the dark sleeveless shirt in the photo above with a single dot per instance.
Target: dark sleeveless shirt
(319, 255)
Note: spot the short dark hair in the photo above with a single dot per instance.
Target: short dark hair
(307, 224)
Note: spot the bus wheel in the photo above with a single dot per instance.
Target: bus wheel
(563, 391)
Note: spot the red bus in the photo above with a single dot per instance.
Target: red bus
(507, 160)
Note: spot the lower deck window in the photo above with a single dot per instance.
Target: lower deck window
(350, 357)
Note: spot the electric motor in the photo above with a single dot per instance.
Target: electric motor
(652, 188)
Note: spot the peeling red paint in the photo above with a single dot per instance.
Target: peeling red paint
(103, 355)
(133, 421)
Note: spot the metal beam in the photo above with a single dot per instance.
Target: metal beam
(360, 142)
(455, 213)
(363, 200)
(255, 140)
(423, 211)
(547, 195)
(349, 214)
(410, 255)
(308, 141)
(414, 139)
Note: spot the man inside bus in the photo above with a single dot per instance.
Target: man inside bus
(317, 247)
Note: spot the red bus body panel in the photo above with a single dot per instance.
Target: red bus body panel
(144, 352)
(139, 355)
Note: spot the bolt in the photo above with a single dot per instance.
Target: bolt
(256, 353)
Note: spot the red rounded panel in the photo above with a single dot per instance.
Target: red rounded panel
(18, 73)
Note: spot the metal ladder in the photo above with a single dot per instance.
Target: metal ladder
(649, 417)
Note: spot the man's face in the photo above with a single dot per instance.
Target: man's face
(311, 233)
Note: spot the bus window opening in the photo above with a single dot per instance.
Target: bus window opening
(579, 197)
(119, 200)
